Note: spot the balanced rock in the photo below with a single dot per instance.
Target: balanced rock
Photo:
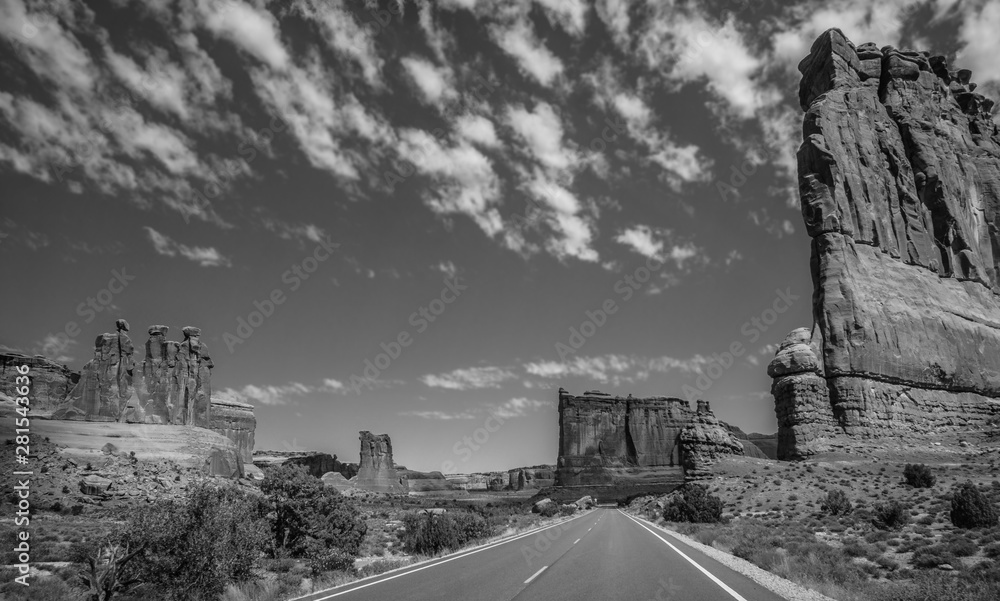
(94, 485)
(899, 176)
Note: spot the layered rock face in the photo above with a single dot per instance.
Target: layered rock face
(899, 175)
(50, 382)
(539, 476)
(705, 440)
(376, 471)
(235, 420)
(605, 440)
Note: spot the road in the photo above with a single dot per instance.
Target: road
(603, 554)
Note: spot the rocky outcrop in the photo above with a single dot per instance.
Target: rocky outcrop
(491, 481)
(173, 386)
(376, 470)
(605, 440)
(50, 382)
(704, 441)
(899, 176)
(539, 476)
(234, 419)
(316, 463)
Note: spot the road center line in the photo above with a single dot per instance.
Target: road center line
(453, 557)
(576, 541)
(535, 575)
(722, 584)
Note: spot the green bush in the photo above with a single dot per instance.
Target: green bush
(918, 475)
(971, 509)
(692, 503)
(305, 511)
(890, 516)
(932, 556)
(327, 559)
(837, 503)
(548, 510)
(198, 546)
(567, 510)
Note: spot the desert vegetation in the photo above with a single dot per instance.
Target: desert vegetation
(852, 530)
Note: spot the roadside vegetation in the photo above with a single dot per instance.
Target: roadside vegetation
(240, 541)
(913, 540)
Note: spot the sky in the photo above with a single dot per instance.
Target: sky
(423, 219)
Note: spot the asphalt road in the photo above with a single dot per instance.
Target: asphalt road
(603, 554)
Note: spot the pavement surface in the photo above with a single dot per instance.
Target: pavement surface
(601, 554)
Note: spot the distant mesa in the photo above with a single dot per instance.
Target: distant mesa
(626, 441)
(899, 177)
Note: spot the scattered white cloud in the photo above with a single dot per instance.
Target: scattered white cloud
(57, 348)
(270, 395)
(447, 268)
(477, 129)
(254, 31)
(542, 130)
(519, 41)
(980, 25)
(471, 378)
(519, 407)
(203, 256)
(432, 81)
(441, 415)
(615, 369)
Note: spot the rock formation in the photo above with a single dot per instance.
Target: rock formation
(605, 440)
(492, 481)
(705, 440)
(376, 470)
(50, 382)
(235, 420)
(539, 476)
(899, 177)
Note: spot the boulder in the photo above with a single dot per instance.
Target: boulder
(585, 502)
(537, 507)
(94, 485)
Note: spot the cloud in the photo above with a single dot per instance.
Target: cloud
(447, 268)
(344, 34)
(519, 407)
(477, 129)
(203, 256)
(542, 130)
(470, 378)
(271, 395)
(982, 44)
(614, 368)
(56, 348)
(440, 415)
(433, 82)
(643, 240)
(255, 32)
(531, 55)
(464, 179)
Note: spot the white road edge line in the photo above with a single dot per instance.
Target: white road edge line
(576, 541)
(722, 584)
(535, 575)
(458, 555)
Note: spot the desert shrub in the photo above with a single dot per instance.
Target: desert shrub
(196, 547)
(932, 556)
(918, 475)
(934, 585)
(305, 511)
(327, 559)
(41, 589)
(891, 515)
(836, 503)
(567, 509)
(431, 534)
(548, 510)
(992, 550)
(380, 567)
(971, 509)
(692, 503)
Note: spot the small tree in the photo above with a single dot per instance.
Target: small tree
(306, 511)
(971, 509)
(198, 546)
(890, 516)
(918, 475)
(106, 573)
(837, 503)
(692, 503)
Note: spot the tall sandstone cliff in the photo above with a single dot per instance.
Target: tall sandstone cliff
(376, 470)
(606, 440)
(899, 177)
